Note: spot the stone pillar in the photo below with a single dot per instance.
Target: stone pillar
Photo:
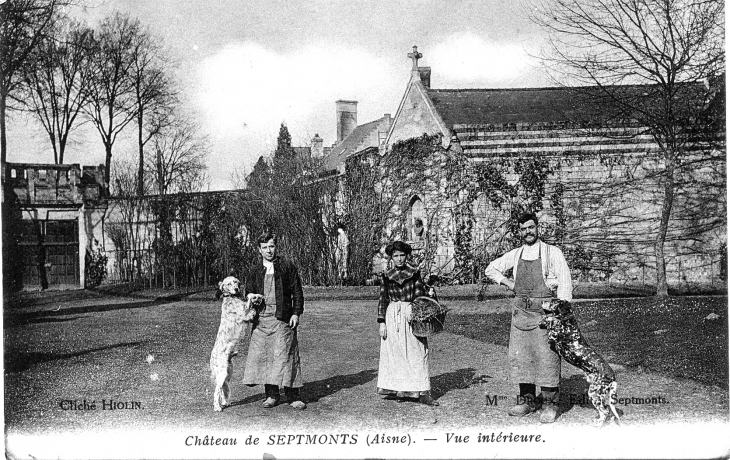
(83, 244)
(31, 184)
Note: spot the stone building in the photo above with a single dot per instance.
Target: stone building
(353, 138)
(51, 215)
(601, 199)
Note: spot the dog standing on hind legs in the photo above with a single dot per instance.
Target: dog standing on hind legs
(565, 336)
(235, 312)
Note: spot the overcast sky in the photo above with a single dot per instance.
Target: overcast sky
(246, 66)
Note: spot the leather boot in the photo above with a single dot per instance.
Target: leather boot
(526, 401)
(294, 399)
(549, 405)
(272, 396)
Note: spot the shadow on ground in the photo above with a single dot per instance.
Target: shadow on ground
(573, 392)
(459, 379)
(16, 319)
(19, 362)
(314, 391)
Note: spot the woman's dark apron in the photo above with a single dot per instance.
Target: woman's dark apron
(531, 360)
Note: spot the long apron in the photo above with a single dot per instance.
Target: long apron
(531, 359)
(273, 353)
(403, 356)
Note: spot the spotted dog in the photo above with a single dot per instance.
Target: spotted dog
(234, 313)
(565, 336)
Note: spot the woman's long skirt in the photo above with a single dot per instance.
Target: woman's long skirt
(403, 356)
(273, 355)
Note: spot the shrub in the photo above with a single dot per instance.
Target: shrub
(95, 271)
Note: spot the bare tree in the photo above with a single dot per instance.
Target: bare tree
(154, 93)
(670, 47)
(131, 233)
(112, 94)
(23, 24)
(58, 81)
(178, 164)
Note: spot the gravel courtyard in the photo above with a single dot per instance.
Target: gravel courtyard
(152, 354)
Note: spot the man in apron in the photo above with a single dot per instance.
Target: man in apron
(540, 273)
(273, 352)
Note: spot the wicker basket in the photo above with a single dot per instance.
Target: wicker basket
(429, 327)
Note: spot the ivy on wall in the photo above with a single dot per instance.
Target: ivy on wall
(95, 266)
(378, 188)
(377, 192)
(371, 200)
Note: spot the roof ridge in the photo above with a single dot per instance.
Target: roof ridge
(354, 139)
(377, 120)
(460, 90)
(369, 123)
(543, 88)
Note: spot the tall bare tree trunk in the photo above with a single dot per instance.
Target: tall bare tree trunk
(62, 147)
(3, 138)
(160, 175)
(662, 290)
(140, 172)
(107, 167)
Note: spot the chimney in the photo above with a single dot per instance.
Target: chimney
(317, 146)
(384, 128)
(346, 118)
(425, 74)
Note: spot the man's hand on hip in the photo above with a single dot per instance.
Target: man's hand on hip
(509, 283)
(294, 321)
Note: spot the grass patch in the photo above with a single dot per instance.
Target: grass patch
(669, 336)
(490, 328)
(475, 292)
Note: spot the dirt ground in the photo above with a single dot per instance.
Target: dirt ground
(95, 348)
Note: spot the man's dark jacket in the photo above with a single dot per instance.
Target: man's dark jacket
(289, 295)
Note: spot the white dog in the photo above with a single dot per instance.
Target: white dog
(234, 313)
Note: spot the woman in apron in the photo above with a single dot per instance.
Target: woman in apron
(403, 368)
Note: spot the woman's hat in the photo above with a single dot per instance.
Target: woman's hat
(405, 248)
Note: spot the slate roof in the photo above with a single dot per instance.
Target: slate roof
(499, 106)
(351, 144)
(540, 105)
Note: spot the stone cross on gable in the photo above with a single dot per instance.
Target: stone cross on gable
(415, 56)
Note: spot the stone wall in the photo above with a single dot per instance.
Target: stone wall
(49, 194)
(611, 201)
(607, 214)
(416, 115)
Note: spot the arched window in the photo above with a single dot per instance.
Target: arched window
(416, 220)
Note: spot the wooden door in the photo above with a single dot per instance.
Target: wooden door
(50, 253)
